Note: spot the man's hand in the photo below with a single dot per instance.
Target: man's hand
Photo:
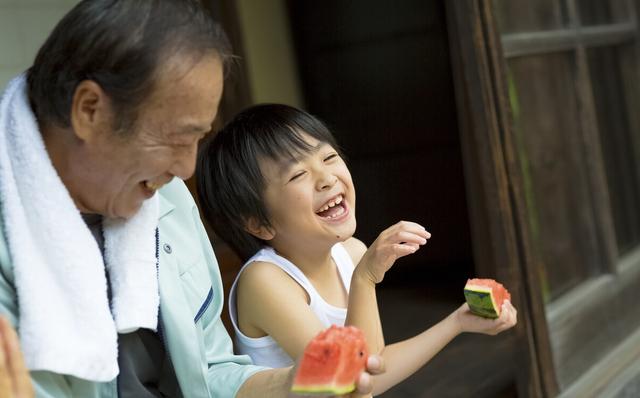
(14, 376)
(364, 385)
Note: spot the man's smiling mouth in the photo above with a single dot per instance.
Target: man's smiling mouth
(152, 186)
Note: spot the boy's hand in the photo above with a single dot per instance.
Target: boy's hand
(469, 322)
(397, 241)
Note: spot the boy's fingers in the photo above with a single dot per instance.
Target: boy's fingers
(404, 236)
(412, 227)
(402, 250)
(511, 313)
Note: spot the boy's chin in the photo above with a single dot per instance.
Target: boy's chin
(345, 233)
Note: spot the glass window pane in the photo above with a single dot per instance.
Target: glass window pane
(559, 204)
(599, 12)
(614, 79)
(515, 16)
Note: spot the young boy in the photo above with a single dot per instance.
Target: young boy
(273, 184)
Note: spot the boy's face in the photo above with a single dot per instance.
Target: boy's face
(311, 200)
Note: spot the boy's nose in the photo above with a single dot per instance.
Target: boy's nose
(326, 182)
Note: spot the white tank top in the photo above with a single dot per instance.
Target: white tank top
(265, 351)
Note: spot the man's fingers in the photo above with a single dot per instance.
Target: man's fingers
(364, 386)
(6, 386)
(21, 379)
(375, 365)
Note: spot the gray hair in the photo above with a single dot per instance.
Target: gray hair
(121, 45)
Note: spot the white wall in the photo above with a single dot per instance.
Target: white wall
(270, 59)
(24, 25)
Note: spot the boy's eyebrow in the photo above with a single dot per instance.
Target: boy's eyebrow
(285, 164)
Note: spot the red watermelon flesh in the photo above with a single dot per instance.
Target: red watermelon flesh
(332, 362)
(485, 297)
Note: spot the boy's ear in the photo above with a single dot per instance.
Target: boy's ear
(258, 230)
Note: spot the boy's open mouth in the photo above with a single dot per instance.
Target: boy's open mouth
(334, 208)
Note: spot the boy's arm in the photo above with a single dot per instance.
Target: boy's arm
(362, 310)
(399, 240)
(406, 357)
(274, 307)
(270, 302)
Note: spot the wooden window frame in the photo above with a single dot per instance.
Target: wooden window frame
(498, 217)
(497, 205)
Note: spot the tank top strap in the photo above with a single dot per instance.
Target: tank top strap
(326, 312)
(269, 255)
(344, 263)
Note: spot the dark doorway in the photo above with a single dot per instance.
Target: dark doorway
(378, 73)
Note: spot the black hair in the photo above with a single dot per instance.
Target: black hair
(230, 185)
(121, 45)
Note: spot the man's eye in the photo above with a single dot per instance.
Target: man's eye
(296, 176)
(331, 156)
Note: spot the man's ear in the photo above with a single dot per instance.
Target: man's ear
(259, 230)
(90, 110)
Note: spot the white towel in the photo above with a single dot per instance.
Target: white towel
(65, 323)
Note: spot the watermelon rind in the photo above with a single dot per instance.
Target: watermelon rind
(481, 301)
(323, 389)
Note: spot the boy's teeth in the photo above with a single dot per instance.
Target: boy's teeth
(338, 213)
(332, 203)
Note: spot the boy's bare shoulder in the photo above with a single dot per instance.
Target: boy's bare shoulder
(355, 248)
(265, 278)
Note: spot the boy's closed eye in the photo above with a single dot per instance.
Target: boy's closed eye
(330, 156)
(297, 175)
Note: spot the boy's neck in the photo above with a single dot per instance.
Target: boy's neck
(311, 261)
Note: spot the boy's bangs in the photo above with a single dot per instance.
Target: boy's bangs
(288, 145)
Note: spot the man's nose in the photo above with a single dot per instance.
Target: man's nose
(185, 164)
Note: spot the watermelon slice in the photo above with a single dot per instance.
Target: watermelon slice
(332, 362)
(485, 297)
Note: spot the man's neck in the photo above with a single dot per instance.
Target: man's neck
(59, 144)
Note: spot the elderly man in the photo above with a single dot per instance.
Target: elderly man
(105, 267)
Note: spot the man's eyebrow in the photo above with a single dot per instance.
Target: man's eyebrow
(194, 128)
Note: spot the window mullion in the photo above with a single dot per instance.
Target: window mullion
(592, 153)
(532, 43)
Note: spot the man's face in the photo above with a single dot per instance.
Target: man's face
(120, 172)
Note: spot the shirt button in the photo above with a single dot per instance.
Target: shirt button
(167, 248)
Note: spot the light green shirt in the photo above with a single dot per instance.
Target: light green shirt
(191, 299)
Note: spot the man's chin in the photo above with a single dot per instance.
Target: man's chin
(127, 212)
